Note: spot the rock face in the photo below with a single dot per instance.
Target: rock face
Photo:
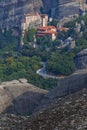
(81, 59)
(69, 85)
(12, 11)
(19, 97)
(68, 113)
(64, 108)
(66, 86)
(61, 8)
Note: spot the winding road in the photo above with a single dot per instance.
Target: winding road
(42, 72)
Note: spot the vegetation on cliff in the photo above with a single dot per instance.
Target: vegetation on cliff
(8, 41)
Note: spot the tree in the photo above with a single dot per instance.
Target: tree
(30, 34)
(60, 64)
(54, 22)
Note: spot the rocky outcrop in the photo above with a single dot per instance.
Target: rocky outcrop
(63, 107)
(68, 113)
(66, 86)
(61, 8)
(69, 85)
(81, 59)
(19, 97)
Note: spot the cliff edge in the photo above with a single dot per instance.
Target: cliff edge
(12, 11)
(65, 107)
(68, 113)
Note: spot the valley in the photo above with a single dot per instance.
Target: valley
(43, 65)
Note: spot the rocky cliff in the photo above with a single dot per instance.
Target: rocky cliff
(19, 97)
(12, 11)
(69, 85)
(68, 113)
(61, 8)
(66, 86)
(65, 107)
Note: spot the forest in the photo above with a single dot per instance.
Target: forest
(18, 63)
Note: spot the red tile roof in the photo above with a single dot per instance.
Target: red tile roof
(47, 27)
(47, 30)
(63, 29)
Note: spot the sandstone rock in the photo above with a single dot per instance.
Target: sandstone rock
(12, 12)
(61, 8)
(66, 86)
(64, 108)
(23, 80)
(19, 97)
(59, 115)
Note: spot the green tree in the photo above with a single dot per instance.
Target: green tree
(30, 34)
(60, 64)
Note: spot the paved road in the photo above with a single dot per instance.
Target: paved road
(42, 72)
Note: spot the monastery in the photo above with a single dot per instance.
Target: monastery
(47, 30)
(40, 21)
(33, 20)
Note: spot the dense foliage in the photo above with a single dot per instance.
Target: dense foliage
(60, 64)
(15, 67)
(54, 22)
(8, 41)
(29, 35)
(15, 64)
